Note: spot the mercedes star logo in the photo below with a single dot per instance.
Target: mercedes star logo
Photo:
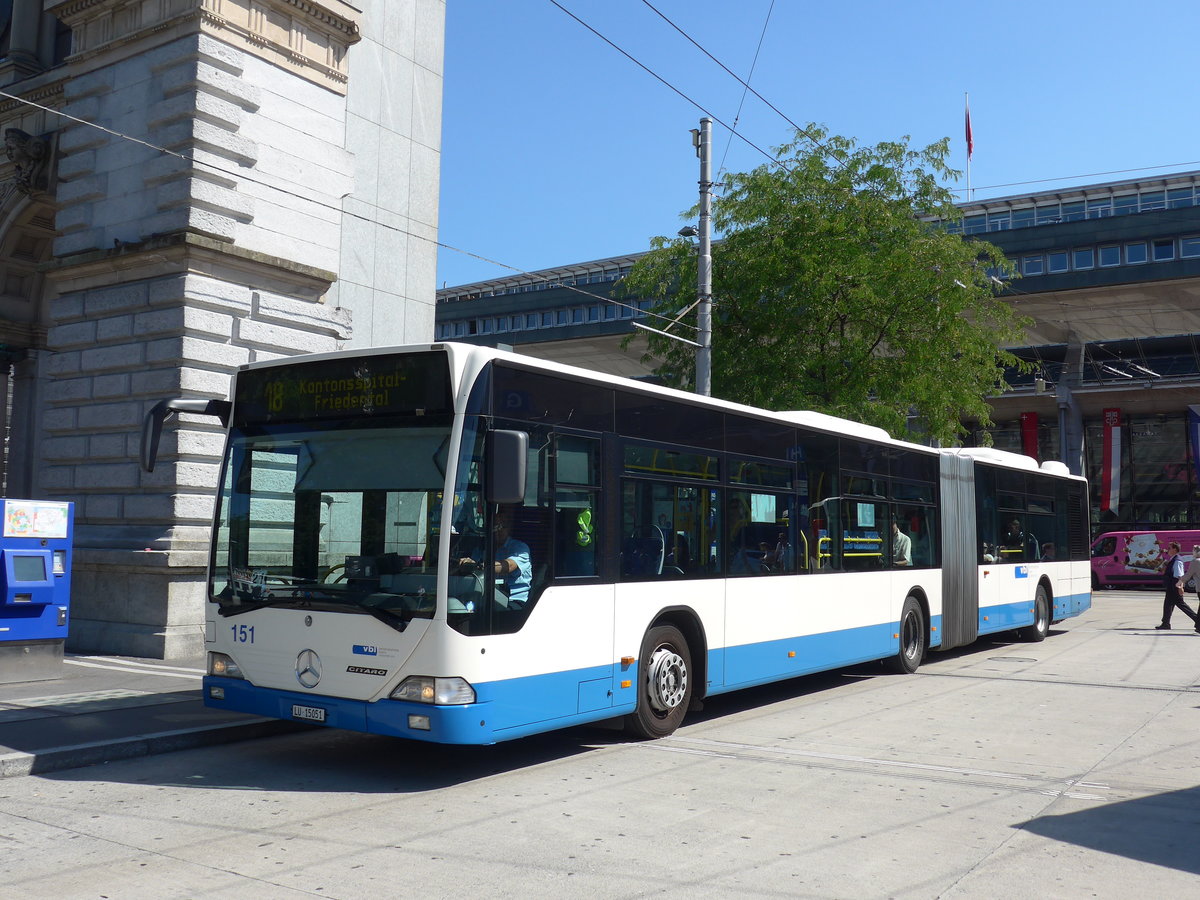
(308, 668)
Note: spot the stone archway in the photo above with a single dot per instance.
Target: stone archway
(26, 243)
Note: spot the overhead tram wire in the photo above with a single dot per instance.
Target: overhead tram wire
(774, 160)
(753, 65)
(988, 187)
(744, 83)
(243, 176)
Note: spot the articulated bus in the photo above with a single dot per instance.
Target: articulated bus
(461, 545)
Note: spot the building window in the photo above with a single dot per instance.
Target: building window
(610, 312)
(1073, 212)
(562, 317)
(577, 315)
(975, 224)
(593, 314)
(1099, 209)
(1048, 214)
(547, 319)
(460, 329)
(1179, 197)
(1084, 258)
(1164, 249)
(1023, 218)
(1135, 253)
(1123, 206)
(1153, 200)
(1056, 261)
(531, 320)
(1189, 247)
(999, 221)
(1033, 265)
(1110, 255)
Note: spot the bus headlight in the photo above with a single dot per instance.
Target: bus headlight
(438, 691)
(220, 664)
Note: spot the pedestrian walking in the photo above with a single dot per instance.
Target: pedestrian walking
(1192, 575)
(1173, 587)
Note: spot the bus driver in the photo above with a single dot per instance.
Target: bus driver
(512, 562)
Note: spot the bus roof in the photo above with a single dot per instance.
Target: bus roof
(460, 353)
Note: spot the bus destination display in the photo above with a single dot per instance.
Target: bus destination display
(407, 384)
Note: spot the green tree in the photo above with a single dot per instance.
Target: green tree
(833, 292)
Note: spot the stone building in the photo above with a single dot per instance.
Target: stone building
(190, 185)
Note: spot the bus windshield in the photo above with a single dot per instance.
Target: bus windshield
(325, 516)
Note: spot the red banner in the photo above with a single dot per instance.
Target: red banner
(1110, 470)
(970, 137)
(1029, 434)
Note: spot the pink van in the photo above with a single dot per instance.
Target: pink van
(1131, 558)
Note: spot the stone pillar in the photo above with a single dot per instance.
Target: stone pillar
(211, 245)
(142, 538)
(23, 37)
(23, 443)
(1070, 416)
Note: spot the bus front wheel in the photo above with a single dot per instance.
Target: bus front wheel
(912, 639)
(1041, 618)
(664, 684)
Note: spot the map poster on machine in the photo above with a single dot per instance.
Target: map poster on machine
(35, 519)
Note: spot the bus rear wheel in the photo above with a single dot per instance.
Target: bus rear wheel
(1041, 619)
(912, 638)
(664, 684)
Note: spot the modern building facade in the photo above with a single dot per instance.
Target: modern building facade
(1110, 276)
(190, 185)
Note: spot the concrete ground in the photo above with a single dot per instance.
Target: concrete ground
(105, 708)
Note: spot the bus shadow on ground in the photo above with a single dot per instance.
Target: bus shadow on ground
(1162, 829)
(328, 760)
(318, 759)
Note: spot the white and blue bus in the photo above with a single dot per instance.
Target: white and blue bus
(669, 547)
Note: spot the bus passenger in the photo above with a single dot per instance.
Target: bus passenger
(779, 558)
(901, 547)
(744, 559)
(1015, 538)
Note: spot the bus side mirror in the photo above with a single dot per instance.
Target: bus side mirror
(506, 452)
(153, 425)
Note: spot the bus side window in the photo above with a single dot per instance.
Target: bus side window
(576, 496)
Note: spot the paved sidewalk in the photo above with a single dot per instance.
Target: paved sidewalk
(105, 708)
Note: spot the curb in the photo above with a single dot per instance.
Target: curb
(56, 759)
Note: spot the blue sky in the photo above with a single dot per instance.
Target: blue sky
(558, 149)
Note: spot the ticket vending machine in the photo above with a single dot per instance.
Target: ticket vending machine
(35, 605)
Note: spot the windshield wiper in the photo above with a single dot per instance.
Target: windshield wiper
(305, 596)
(299, 594)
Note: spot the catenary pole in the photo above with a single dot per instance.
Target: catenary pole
(704, 264)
